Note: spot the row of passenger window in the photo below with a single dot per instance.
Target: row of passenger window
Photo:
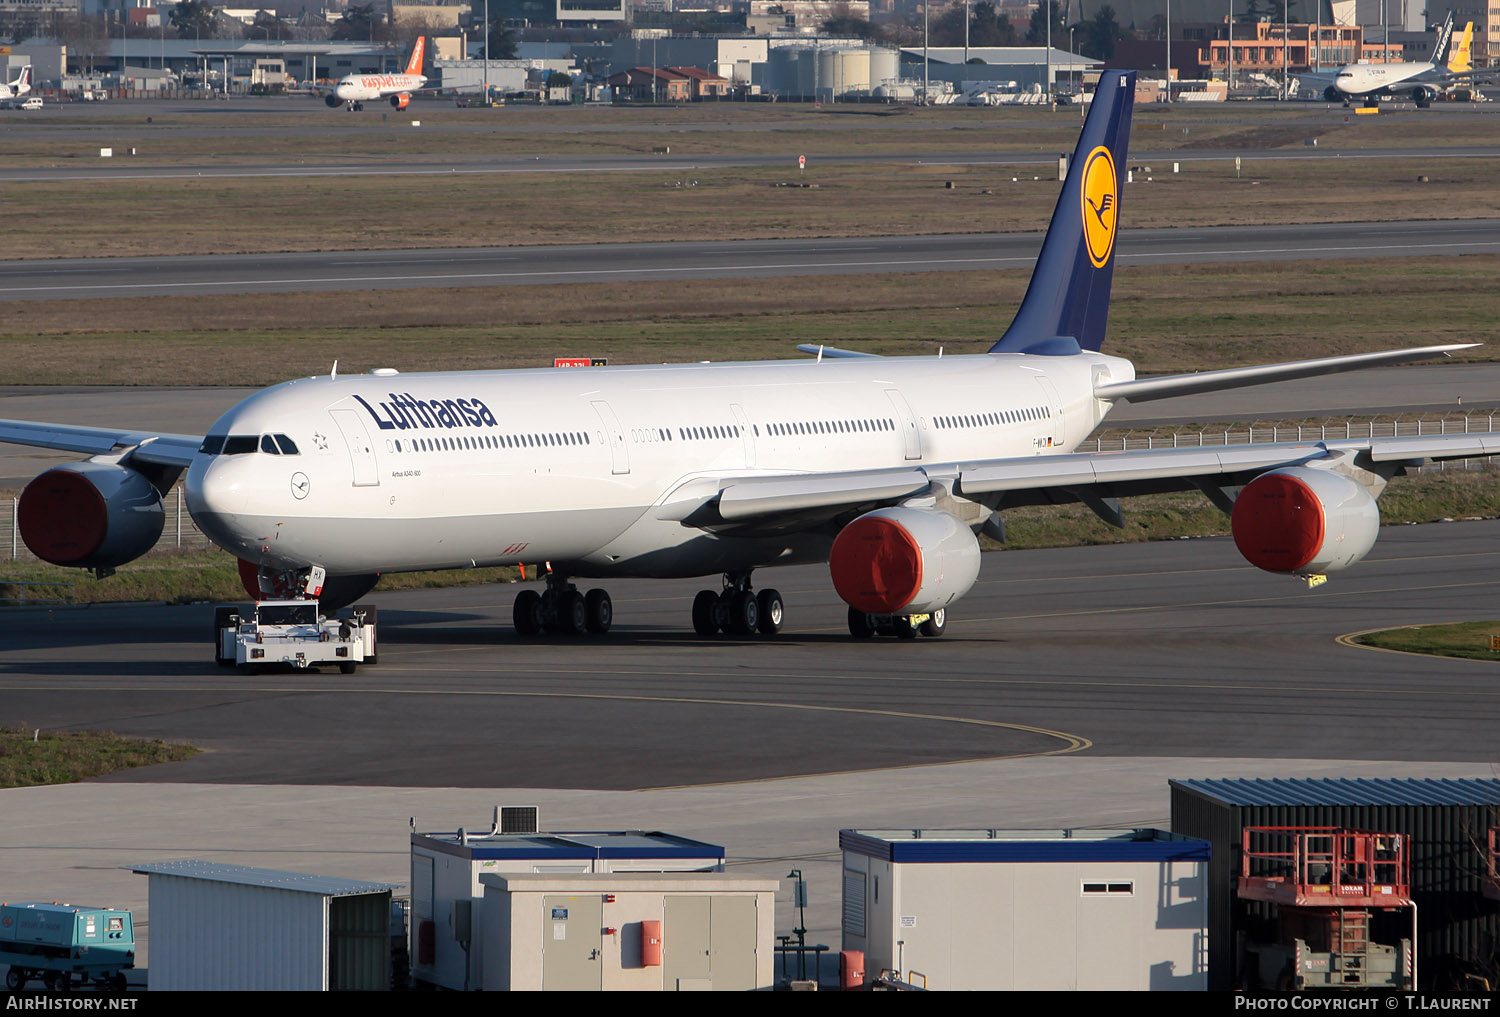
(988, 419)
(464, 443)
(831, 427)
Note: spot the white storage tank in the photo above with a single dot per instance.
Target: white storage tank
(885, 66)
(1028, 909)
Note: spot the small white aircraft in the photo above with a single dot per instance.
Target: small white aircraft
(1424, 80)
(886, 468)
(18, 87)
(354, 90)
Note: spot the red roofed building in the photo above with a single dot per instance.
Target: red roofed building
(650, 84)
(703, 84)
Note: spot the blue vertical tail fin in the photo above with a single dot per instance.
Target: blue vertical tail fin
(1067, 304)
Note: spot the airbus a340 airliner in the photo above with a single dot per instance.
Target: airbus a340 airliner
(886, 468)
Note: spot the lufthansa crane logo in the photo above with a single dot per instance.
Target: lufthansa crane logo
(1101, 202)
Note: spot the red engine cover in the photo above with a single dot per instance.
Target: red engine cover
(876, 565)
(62, 517)
(401, 101)
(1278, 523)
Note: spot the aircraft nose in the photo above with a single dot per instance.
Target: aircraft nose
(217, 496)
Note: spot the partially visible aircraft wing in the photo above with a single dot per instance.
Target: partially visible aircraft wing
(831, 351)
(1145, 389)
(146, 446)
(817, 498)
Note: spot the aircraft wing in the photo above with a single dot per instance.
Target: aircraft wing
(1144, 389)
(146, 446)
(788, 502)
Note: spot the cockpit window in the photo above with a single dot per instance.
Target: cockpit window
(239, 444)
(268, 445)
(212, 445)
(288, 447)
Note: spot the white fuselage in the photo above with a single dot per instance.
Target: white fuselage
(582, 466)
(1362, 79)
(359, 87)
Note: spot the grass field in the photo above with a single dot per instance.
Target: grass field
(86, 218)
(1460, 639)
(1175, 318)
(29, 757)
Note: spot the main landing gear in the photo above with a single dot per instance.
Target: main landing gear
(562, 609)
(736, 610)
(902, 626)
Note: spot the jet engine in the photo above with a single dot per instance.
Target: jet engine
(1304, 521)
(1423, 96)
(903, 561)
(332, 100)
(90, 515)
(401, 100)
(1332, 94)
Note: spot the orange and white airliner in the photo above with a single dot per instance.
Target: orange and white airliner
(354, 89)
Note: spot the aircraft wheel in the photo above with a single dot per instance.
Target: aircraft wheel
(861, 625)
(599, 611)
(904, 628)
(936, 623)
(572, 614)
(527, 613)
(744, 613)
(15, 979)
(771, 612)
(705, 608)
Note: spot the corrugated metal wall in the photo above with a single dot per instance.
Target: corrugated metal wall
(229, 936)
(359, 942)
(1456, 922)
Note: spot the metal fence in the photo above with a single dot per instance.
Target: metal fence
(180, 532)
(1122, 439)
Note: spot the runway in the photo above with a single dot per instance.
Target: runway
(554, 265)
(1176, 648)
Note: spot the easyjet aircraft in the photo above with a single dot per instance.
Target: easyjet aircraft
(886, 468)
(354, 90)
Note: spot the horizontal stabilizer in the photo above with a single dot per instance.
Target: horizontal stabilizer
(1146, 389)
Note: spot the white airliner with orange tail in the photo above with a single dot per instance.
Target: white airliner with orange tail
(885, 467)
(354, 90)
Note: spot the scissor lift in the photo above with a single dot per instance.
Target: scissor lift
(1326, 883)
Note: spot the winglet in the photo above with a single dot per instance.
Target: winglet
(1068, 299)
(414, 65)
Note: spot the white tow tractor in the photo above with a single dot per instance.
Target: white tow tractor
(292, 633)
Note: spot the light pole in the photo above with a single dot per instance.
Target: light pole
(486, 52)
(1050, 16)
(1169, 51)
